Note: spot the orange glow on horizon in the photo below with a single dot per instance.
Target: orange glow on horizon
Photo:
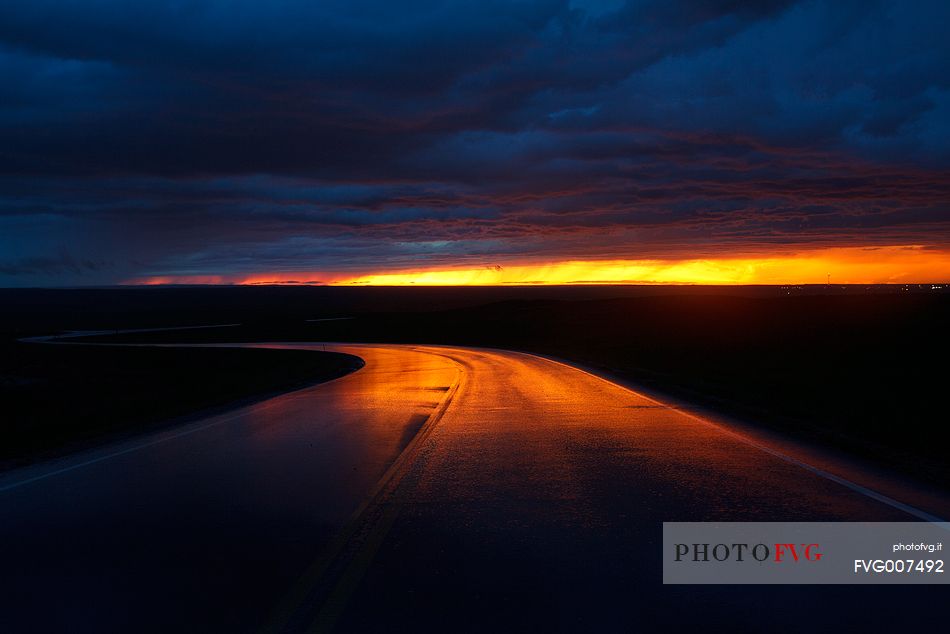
(845, 265)
(161, 280)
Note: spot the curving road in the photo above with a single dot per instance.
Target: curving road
(434, 489)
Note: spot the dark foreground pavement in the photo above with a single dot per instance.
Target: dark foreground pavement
(436, 489)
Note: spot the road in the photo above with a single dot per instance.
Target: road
(434, 489)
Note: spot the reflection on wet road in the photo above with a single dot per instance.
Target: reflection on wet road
(436, 488)
(207, 528)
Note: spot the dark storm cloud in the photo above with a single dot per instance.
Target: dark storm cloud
(214, 137)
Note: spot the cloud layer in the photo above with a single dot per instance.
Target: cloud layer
(219, 138)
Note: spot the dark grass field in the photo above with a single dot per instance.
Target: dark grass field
(57, 398)
(859, 369)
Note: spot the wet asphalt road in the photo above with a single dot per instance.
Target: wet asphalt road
(436, 489)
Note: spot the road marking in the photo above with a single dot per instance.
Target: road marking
(319, 597)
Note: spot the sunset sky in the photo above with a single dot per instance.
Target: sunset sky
(483, 142)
